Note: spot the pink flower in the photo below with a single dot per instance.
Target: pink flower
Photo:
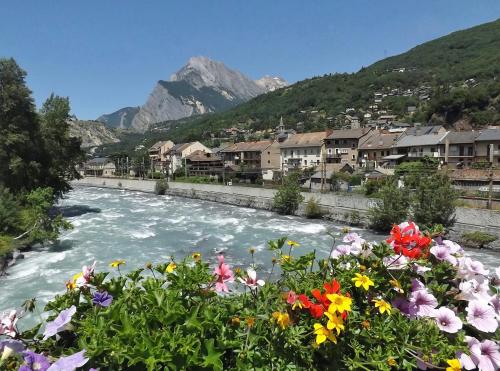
(395, 262)
(341, 250)
(88, 271)
(7, 323)
(292, 297)
(485, 355)
(446, 320)
(420, 269)
(442, 253)
(402, 305)
(223, 274)
(422, 303)
(251, 279)
(468, 268)
(353, 237)
(481, 316)
(495, 302)
(452, 246)
(475, 289)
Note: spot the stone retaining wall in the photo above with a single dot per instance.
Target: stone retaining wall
(342, 208)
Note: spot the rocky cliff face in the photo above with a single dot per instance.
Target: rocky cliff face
(121, 119)
(269, 83)
(92, 133)
(201, 86)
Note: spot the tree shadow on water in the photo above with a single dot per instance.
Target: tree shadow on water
(60, 246)
(75, 210)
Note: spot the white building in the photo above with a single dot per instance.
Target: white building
(180, 151)
(302, 151)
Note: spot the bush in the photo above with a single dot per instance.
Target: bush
(433, 201)
(161, 187)
(478, 239)
(6, 246)
(313, 210)
(372, 186)
(391, 208)
(359, 317)
(288, 197)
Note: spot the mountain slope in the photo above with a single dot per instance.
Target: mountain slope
(92, 133)
(201, 86)
(453, 78)
(121, 119)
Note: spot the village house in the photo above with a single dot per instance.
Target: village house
(488, 146)
(101, 166)
(419, 146)
(375, 147)
(342, 145)
(252, 160)
(180, 151)
(302, 151)
(200, 163)
(459, 148)
(476, 179)
(158, 154)
(322, 180)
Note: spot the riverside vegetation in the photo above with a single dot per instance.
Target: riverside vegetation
(37, 159)
(412, 301)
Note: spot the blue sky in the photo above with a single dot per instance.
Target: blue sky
(109, 54)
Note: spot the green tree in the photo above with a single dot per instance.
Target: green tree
(20, 143)
(391, 208)
(434, 201)
(61, 152)
(288, 197)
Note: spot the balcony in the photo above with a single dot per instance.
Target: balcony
(423, 154)
(334, 155)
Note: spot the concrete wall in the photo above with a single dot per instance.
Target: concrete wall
(342, 208)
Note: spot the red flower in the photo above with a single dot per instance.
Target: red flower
(322, 303)
(407, 239)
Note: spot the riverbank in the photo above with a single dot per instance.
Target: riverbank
(350, 209)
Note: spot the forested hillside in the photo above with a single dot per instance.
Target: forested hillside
(451, 78)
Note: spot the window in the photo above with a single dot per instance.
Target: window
(353, 145)
(433, 149)
(268, 152)
(268, 161)
(305, 162)
(354, 157)
(317, 162)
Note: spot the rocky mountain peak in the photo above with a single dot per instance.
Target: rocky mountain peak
(269, 83)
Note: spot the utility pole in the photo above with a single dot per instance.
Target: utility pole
(490, 185)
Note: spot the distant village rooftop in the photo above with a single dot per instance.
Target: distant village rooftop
(305, 140)
(489, 134)
(248, 146)
(348, 133)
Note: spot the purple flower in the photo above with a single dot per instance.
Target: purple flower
(69, 363)
(495, 301)
(420, 269)
(446, 320)
(417, 285)
(341, 250)
(395, 262)
(468, 268)
(485, 355)
(422, 303)
(10, 346)
(353, 237)
(481, 316)
(402, 305)
(34, 361)
(475, 289)
(452, 246)
(102, 299)
(60, 323)
(442, 253)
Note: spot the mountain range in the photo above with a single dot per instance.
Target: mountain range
(201, 86)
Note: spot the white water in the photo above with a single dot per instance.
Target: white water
(142, 228)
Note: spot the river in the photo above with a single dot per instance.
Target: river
(140, 228)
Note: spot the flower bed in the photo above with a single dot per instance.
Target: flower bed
(412, 302)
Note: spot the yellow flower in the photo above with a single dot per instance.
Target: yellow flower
(346, 230)
(171, 267)
(362, 280)
(273, 260)
(339, 303)
(250, 321)
(235, 321)
(454, 365)
(71, 285)
(391, 361)
(282, 319)
(286, 259)
(396, 285)
(196, 256)
(383, 306)
(292, 243)
(334, 323)
(297, 303)
(322, 333)
(117, 263)
(251, 250)
(366, 324)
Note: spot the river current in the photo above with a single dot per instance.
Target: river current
(140, 228)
